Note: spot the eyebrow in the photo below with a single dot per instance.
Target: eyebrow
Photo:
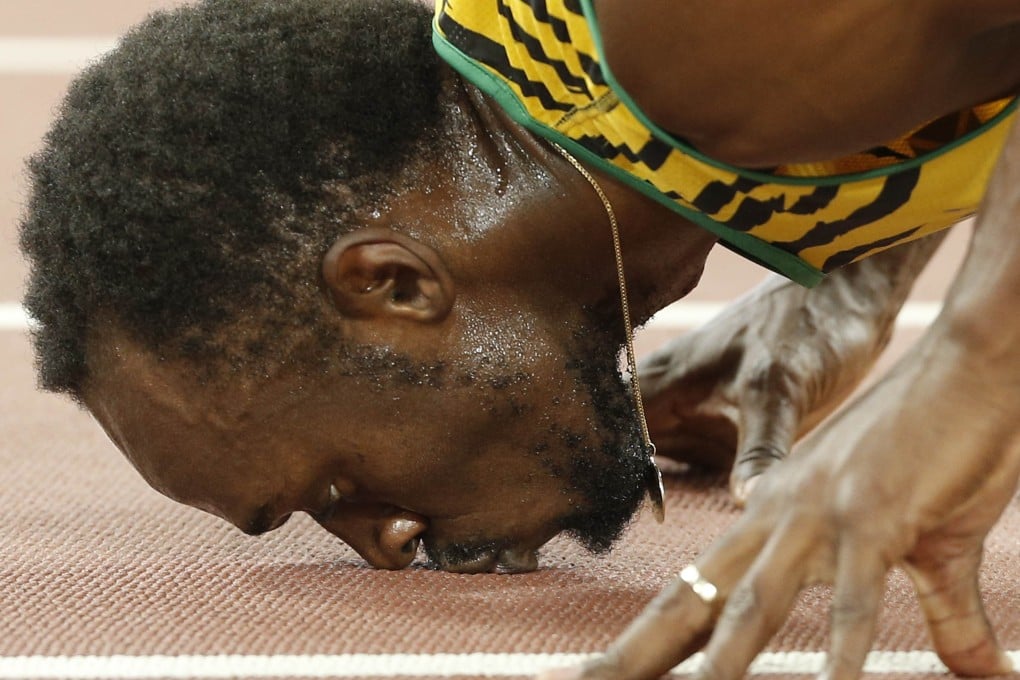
(260, 522)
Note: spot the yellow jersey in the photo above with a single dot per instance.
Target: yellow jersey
(542, 61)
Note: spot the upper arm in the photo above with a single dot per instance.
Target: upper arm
(784, 81)
(701, 68)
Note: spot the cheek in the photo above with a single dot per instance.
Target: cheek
(498, 473)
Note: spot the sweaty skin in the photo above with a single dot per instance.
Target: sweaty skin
(737, 392)
(941, 425)
(489, 414)
(799, 80)
(828, 516)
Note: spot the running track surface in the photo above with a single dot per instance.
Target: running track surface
(102, 577)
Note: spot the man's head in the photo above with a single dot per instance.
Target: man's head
(194, 174)
(291, 264)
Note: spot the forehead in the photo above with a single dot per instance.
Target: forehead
(207, 445)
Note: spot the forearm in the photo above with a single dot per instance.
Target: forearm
(982, 306)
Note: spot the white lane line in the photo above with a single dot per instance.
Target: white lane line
(12, 317)
(683, 315)
(693, 314)
(397, 665)
(51, 56)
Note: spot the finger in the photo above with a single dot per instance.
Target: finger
(760, 603)
(748, 467)
(678, 621)
(673, 626)
(860, 584)
(770, 419)
(674, 369)
(951, 601)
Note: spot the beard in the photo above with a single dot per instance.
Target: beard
(608, 467)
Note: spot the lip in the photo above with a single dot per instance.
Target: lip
(517, 561)
(509, 560)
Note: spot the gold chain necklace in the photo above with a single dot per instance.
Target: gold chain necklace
(653, 477)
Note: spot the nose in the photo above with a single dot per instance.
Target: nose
(385, 536)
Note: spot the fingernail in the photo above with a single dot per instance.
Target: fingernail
(742, 490)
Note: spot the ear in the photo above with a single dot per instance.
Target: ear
(376, 272)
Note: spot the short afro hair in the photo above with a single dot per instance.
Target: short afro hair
(196, 174)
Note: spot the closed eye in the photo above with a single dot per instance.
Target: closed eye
(326, 514)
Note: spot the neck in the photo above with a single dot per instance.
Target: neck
(663, 253)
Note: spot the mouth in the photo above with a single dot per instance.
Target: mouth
(484, 559)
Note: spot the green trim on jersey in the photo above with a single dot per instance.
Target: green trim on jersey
(542, 62)
(913, 163)
(759, 251)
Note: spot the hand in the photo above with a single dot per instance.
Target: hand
(914, 474)
(739, 391)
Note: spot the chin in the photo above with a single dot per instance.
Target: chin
(599, 527)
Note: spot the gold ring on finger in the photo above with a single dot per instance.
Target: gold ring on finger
(704, 589)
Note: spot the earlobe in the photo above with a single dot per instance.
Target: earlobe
(376, 273)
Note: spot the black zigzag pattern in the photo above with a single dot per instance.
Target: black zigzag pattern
(494, 55)
(717, 195)
(559, 27)
(653, 153)
(816, 201)
(752, 212)
(537, 52)
(589, 64)
(573, 6)
(896, 192)
(839, 259)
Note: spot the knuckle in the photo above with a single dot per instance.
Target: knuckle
(967, 651)
(852, 513)
(770, 376)
(852, 509)
(766, 453)
(742, 604)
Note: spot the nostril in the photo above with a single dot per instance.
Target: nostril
(399, 539)
(387, 537)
